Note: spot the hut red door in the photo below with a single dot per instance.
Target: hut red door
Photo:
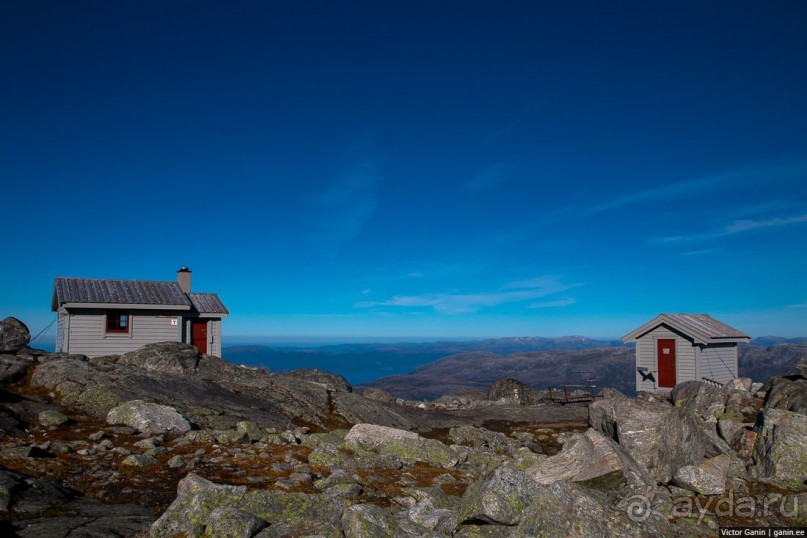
(199, 335)
(666, 362)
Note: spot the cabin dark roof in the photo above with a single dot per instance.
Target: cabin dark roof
(146, 293)
(702, 327)
(207, 303)
(707, 326)
(104, 291)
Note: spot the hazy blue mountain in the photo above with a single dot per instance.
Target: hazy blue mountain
(610, 367)
(765, 341)
(360, 363)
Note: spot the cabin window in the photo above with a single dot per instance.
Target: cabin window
(117, 322)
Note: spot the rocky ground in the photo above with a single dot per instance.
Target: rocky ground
(166, 442)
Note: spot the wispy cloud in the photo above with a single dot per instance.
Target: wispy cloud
(568, 301)
(458, 303)
(739, 226)
(798, 305)
(491, 176)
(735, 178)
(344, 209)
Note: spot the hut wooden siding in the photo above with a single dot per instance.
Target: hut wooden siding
(157, 312)
(704, 349)
(88, 336)
(719, 362)
(646, 356)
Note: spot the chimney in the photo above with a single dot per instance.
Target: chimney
(184, 279)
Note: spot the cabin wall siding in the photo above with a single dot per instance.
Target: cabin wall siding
(214, 330)
(87, 332)
(719, 362)
(686, 362)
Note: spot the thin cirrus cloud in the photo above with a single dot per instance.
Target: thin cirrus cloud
(568, 301)
(343, 210)
(766, 174)
(739, 226)
(493, 175)
(461, 303)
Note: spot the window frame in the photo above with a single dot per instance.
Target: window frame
(119, 314)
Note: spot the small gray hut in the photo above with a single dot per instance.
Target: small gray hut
(673, 348)
(104, 317)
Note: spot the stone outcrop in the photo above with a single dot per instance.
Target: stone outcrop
(149, 418)
(588, 457)
(707, 478)
(780, 452)
(500, 497)
(14, 335)
(660, 437)
(512, 391)
(371, 435)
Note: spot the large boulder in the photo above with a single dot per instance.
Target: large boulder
(500, 497)
(780, 452)
(708, 478)
(512, 391)
(588, 457)
(660, 437)
(484, 439)
(149, 418)
(788, 393)
(189, 514)
(14, 335)
(704, 400)
(12, 369)
(369, 521)
(567, 510)
(372, 436)
(169, 357)
(327, 379)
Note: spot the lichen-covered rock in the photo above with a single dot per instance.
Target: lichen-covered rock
(708, 478)
(499, 498)
(660, 437)
(14, 335)
(296, 514)
(485, 439)
(12, 369)
(53, 418)
(512, 391)
(788, 393)
(230, 522)
(567, 510)
(189, 514)
(704, 400)
(252, 430)
(370, 521)
(589, 456)
(379, 395)
(149, 418)
(139, 460)
(371, 435)
(169, 357)
(329, 380)
(411, 451)
(780, 452)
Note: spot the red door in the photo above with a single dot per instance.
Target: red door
(199, 335)
(666, 363)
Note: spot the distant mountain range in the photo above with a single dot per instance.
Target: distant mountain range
(610, 367)
(441, 367)
(360, 363)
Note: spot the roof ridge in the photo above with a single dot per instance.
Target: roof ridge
(117, 280)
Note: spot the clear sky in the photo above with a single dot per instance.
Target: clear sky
(412, 169)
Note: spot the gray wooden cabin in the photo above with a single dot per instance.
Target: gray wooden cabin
(99, 317)
(673, 348)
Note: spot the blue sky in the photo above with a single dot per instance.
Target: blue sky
(412, 169)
